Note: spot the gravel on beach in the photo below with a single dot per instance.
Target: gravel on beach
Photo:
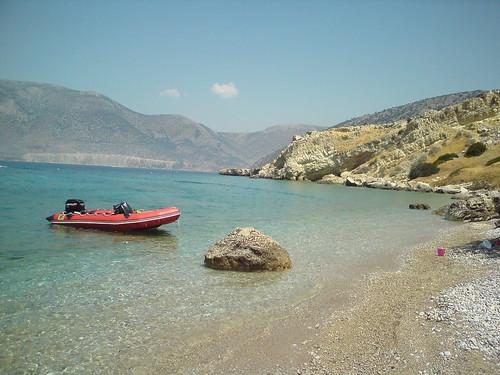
(474, 307)
(439, 315)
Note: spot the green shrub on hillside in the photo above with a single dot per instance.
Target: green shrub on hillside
(475, 149)
(445, 157)
(422, 170)
(456, 172)
(493, 161)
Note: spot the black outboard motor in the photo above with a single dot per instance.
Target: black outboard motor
(123, 208)
(74, 205)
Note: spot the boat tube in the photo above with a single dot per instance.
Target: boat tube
(121, 218)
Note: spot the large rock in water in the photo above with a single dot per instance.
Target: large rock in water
(247, 249)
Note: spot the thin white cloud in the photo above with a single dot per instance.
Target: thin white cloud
(172, 93)
(225, 90)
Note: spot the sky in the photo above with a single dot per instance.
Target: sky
(246, 65)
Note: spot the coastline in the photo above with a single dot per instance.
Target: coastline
(382, 326)
(296, 336)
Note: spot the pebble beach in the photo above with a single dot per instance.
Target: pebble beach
(435, 315)
(438, 315)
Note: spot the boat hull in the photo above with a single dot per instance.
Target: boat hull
(108, 220)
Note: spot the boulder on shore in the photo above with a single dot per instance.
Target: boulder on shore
(479, 207)
(420, 186)
(247, 249)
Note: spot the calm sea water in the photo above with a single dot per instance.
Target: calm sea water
(81, 301)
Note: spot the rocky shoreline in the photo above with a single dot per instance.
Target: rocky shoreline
(362, 180)
(451, 151)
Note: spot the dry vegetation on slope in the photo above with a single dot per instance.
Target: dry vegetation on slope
(390, 151)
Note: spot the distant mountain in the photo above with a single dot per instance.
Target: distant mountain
(269, 158)
(254, 146)
(403, 112)
(48, 123)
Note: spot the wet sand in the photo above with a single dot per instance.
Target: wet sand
(379, 328)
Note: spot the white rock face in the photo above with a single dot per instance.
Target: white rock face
(450, 189)
(385, 152)
(420, 186)
(332, 179)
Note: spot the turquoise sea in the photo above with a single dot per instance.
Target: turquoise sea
(83, 301)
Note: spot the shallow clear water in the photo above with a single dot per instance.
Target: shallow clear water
(82, 301)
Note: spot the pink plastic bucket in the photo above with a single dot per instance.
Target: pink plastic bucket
(441, 251)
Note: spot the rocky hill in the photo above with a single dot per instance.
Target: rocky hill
(385, 154)
(47, 123)
(403, 112)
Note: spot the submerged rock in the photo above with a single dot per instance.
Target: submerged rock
(419, 206)
(247, 249)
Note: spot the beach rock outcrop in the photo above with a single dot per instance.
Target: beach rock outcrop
(479, 207)
(380, 183)
(332, 179)
(450, 189)
(235, 171)
(420, 186)
(247, 249)
(354, 181)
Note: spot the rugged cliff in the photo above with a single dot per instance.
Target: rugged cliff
(389, 151)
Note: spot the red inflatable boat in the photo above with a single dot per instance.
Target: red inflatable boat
(121, 218)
